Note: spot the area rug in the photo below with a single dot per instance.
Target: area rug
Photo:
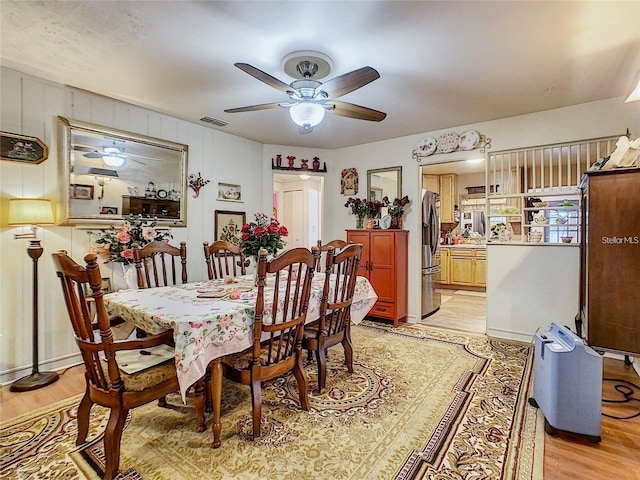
(423, 403)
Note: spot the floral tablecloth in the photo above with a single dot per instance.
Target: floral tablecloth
(208, 328)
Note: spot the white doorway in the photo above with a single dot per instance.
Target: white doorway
(298, 205)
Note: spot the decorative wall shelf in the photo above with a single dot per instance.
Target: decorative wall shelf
(299, 169)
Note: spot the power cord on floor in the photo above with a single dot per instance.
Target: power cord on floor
(627, 392)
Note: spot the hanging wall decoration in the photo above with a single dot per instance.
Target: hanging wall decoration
(349, 181)
(196, 183)
(450, 142)
(20, 148)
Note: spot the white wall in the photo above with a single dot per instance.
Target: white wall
(30, 106)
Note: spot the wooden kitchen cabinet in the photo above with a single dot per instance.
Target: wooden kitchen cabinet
(448, 197)
(610, 260)
(463, 266)
(384, 262)
(431, 183)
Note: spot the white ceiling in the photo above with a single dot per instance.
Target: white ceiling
(442, 63)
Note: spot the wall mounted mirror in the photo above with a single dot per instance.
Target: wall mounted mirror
(108, 174)
(384, 182)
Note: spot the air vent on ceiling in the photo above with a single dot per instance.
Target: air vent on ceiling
(215, 121)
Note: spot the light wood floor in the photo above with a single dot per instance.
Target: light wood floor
(566, 456)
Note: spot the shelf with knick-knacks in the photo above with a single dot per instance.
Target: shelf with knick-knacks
(302, 164)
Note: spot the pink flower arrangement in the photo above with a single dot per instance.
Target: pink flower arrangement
(116, 245)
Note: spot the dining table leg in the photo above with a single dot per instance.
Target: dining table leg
(199, 402)
(216, 398)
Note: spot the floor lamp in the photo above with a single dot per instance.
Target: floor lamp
(32, 211)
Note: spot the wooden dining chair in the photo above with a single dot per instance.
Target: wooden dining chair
(278, 327)
(224, 259)
(337, 245)
(334, 325)
(106, 384)
(156, 264)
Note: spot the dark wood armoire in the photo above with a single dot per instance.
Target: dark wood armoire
(610, 266)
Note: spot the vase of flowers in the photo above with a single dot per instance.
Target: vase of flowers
(263, 233)
(359, 208)
(396, 210)
(374, 209)
(115, 245)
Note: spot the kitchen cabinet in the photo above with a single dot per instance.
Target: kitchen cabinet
(151, 207)
(384, 262)
(448, 197)
(431, 183)
(610, 257)
(463, 266)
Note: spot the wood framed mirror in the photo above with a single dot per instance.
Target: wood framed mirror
(108, 174)
(384, 182)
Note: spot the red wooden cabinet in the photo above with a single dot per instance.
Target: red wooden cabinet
(385, 263)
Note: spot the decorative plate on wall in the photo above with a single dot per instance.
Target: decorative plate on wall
(469, 140)
(427, 146)
(448, 142)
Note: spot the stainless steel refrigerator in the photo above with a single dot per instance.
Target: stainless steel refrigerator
(430, 240)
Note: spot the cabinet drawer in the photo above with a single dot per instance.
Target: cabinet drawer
(458, 252)
(382, 309)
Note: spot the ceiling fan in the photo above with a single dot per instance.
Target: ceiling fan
(112, 155)
(310, 98)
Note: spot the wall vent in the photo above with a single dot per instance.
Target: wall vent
(215, 121)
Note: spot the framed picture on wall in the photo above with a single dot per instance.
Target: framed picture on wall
(20, 148)
(109, 211)
(228, 225)
(228, 192)
(78, 191)
(349, 181)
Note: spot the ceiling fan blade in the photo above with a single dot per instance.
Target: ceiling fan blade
(251, 108)
(351, 110)
(93, 155)
(336, 87)
(264, 77)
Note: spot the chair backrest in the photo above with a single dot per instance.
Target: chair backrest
(281, 309)
(224, 259)
(156, 264)
(341, 270)
(337, 245)
(74, 279)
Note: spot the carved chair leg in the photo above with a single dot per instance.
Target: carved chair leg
(256, 406)
(112, 440)
(303, 382)
(83, 417)
(162, 402)
(321, 357)
(348, 353)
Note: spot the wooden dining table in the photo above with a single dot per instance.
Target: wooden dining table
(212, 319)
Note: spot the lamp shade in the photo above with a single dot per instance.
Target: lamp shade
(306, 114)
(30, 211)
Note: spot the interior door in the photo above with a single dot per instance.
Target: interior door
(294, 215)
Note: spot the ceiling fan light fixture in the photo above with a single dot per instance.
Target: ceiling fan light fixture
(113, 161)
(306, 114)
(111, 150)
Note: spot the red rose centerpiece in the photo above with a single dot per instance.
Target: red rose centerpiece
(263, 232)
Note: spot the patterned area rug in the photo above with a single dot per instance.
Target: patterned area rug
(423, 403)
